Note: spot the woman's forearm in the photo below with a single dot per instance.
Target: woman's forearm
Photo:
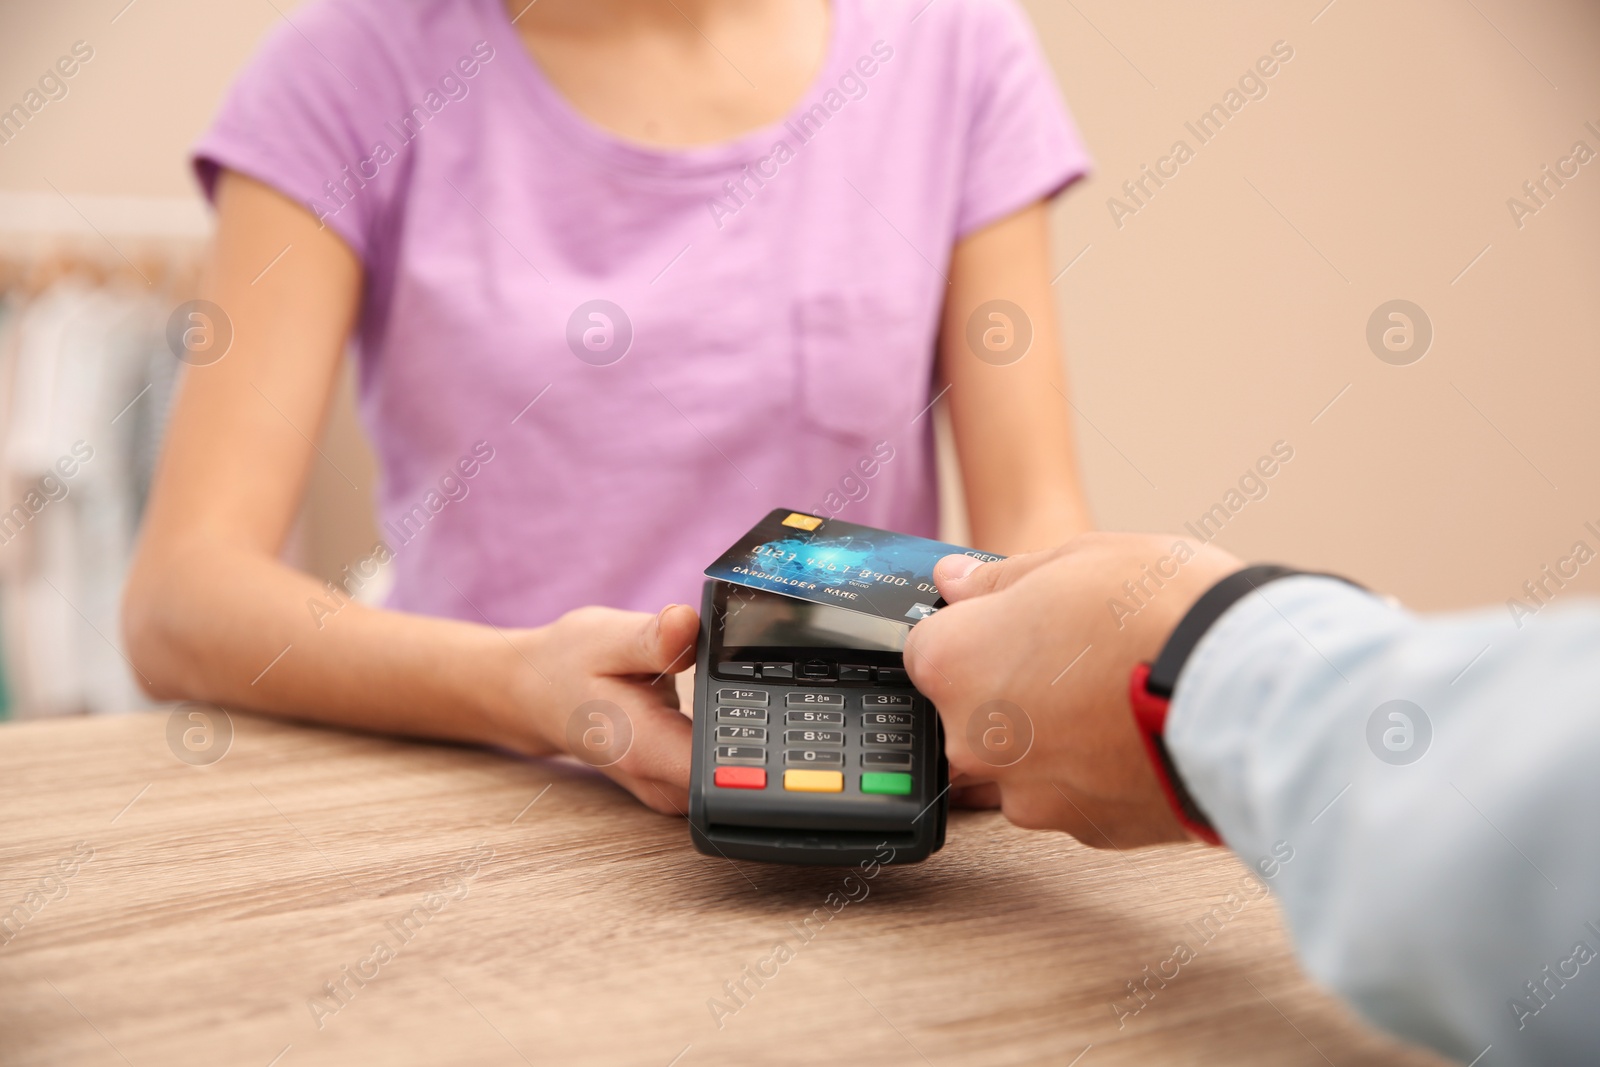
(1009, 411)
(234, 627)
(1053, 514)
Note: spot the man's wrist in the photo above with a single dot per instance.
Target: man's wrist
(1150, 716)
(1153, 684)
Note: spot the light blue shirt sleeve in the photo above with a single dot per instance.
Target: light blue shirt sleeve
(1422, 794)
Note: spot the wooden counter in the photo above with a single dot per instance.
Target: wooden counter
(164, 913)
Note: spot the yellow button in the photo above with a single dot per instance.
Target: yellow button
(813, 781)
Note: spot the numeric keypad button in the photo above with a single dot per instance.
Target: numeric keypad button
(813, 737)
(814, 700)
(813, 757)
(887, 739)
(814, 718)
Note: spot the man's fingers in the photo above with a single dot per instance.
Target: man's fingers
(963, 577)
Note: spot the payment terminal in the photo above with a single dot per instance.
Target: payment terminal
(810, 744)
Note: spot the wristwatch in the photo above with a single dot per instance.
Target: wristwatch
(1151, 685)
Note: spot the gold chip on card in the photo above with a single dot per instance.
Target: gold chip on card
(802, 522)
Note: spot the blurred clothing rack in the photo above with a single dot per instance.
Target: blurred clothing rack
(155, 242)
(86, 287)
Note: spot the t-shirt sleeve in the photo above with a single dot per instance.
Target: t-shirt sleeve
(1022, 145)
(307, 114)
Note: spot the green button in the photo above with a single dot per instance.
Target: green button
(894, 783)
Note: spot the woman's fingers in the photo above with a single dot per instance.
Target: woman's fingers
(655, 764)
(615, 708)
(983, 796)
(633, 643)
(667, 798)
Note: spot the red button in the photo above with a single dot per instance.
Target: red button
(741, 777)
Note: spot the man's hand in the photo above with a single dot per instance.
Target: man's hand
(1029, 668)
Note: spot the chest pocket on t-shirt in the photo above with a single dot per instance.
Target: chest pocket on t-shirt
(863, 364)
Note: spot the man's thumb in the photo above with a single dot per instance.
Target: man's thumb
(964, 577)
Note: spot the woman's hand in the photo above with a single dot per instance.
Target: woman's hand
(597, 684)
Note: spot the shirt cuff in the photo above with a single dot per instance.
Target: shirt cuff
(1232, 730)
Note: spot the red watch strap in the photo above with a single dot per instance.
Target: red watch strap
(1150, 716)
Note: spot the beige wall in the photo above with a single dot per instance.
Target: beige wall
(1225, 314)
(157, 74)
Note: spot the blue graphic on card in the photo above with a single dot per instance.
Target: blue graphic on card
(828, 561)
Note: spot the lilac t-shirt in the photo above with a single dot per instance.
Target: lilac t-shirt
(638, 352)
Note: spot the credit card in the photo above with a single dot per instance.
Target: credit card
(829, 561)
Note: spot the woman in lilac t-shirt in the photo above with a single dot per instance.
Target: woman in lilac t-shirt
(621, 276)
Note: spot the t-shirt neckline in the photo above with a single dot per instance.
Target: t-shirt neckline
(648, 160)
